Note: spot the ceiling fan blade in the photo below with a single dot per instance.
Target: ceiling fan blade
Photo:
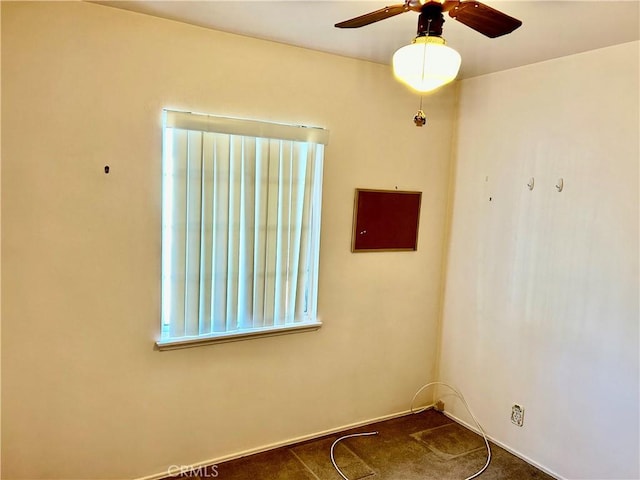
(373, 17)
(484, 19)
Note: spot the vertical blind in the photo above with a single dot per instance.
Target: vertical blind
(241, 221)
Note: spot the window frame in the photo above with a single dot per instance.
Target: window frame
(260, 130)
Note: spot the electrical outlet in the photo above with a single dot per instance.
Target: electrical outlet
(517, 415)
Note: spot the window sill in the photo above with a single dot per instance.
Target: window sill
(188, 342)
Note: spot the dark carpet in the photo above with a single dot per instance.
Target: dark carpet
(425, 446)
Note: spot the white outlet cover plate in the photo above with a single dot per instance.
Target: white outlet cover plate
(517, 415)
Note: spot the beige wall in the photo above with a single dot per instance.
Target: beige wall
(0, 257)
(84, 395)
(541, 304)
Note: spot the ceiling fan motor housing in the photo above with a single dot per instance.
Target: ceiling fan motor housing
(431, 20)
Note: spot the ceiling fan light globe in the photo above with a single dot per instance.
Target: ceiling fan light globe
(426, 64)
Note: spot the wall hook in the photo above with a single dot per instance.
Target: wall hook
(560, 184)
(531, 183)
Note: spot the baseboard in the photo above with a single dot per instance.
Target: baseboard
(286, 443)
(506, 447)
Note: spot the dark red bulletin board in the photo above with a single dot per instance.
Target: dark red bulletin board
(385, 220)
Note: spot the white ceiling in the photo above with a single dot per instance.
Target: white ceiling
(549, 30)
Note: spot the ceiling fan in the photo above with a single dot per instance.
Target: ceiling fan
(480, 17)
(427, 63)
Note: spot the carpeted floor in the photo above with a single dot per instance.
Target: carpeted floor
(426, 446)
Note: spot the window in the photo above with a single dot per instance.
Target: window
(240, 228)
